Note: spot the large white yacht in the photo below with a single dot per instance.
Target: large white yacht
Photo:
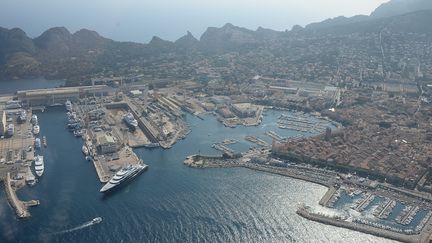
(39, 165)
(125, 174)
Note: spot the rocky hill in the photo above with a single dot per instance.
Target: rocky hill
(57, 53)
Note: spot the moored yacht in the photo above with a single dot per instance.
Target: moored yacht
(34, 119)
(125, 174)
(36, 129)
(68, 105)
(37, 143)
(39, 165)
(84, 149)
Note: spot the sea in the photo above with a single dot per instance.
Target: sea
(169, 202)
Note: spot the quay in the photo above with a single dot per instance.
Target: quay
(329, 194)
(256, 140)
(20, 207)
(339, 222)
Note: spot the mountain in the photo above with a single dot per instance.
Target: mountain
(399, 7)
(337, 21)
(415, 22)
(57, 53)
(389, 9)
(228, 37)
(14, 41)
(187, 42)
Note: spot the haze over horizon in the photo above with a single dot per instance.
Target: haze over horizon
(139, 21)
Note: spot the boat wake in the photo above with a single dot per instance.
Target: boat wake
(82, 226)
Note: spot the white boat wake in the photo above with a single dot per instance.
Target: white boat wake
(82, 226)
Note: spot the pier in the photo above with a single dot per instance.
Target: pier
(20, 207)
(256, 140)
(326, 198)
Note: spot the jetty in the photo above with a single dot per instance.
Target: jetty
(20, 207)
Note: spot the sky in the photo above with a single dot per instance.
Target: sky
(140, 20)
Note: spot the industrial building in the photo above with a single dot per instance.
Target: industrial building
(106, 143)
(53, 96)
(2, 123)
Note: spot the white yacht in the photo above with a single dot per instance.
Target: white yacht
(39, 165)
(36, 129)
(130, 120)
(37, 143)
(96, 220)
(34, 119)
(123, 175)
(85, 150)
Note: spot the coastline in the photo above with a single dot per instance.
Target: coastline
(424, 236)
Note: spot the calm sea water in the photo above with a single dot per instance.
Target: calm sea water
(170, 202)
(11, 86)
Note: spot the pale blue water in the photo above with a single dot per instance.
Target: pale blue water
(12, 86)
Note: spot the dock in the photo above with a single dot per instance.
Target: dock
(256, 140)
(20, 207)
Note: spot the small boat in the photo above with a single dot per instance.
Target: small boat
(36, 129)
(151, 145)
(68, 105)
(37, 143)
(77, 133)
(85, 150)
(44, 141)
(34, 119)
(97, 220)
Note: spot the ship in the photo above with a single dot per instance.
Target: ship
(151, 145)
(39, 165)
(37, 143)
(96, 220)
(44, 141)
(34, 119)
(130, 120)
(10, 129)
(122, 176)
(77, 133)
(36, 129)
(68, 105)
(22, 117)
(84, 149)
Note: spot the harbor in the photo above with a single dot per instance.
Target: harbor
(72, 182)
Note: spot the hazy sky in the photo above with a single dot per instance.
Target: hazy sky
(139, 20)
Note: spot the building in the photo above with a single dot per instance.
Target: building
(2, 123)
(42, 97)
(106, 144)
(244, 110)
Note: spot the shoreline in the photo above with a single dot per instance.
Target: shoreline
(423, 236)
